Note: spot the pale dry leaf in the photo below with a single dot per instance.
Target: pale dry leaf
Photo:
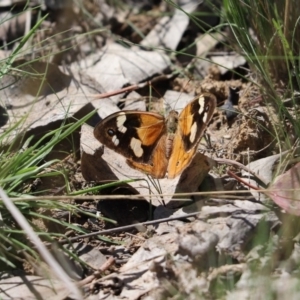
(284, 191)
(228, 62)
(265, 168)
(88, 254)
(239, 226)
(32, 287)
(134, 101)
(115, 66)
(168, 32)
(12, 25)
(41, 101)
(174, 100)
(207, 41)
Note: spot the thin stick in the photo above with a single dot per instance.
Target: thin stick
(113, 230)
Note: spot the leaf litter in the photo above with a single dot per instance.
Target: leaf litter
(194, 256)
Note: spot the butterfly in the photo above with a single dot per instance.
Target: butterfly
(156, 145)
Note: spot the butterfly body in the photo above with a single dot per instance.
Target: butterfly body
(156, 145)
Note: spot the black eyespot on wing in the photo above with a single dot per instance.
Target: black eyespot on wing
(111, 132)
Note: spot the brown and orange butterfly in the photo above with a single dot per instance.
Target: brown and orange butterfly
(154, 144)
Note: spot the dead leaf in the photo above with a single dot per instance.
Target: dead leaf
(32, 287)
(115, 66)
(286, 190)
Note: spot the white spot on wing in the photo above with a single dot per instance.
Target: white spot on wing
(205, 117)
(115, 140)
(193, 132)
(201, 103)
(135, 145)
(120, 122)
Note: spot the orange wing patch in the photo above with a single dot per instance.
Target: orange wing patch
(157, 166)
(151, 128)
(179, 159)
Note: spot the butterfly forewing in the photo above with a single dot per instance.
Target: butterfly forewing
(194, 119)
(192, 122)
(133, 134)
